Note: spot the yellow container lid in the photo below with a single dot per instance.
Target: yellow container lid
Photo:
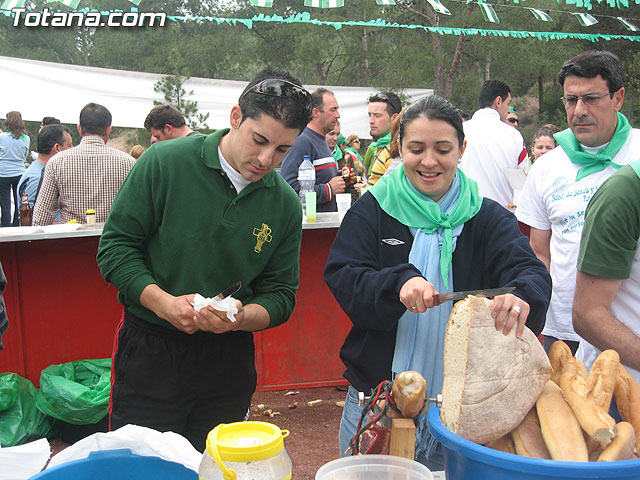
(246, 441)
(90, 211)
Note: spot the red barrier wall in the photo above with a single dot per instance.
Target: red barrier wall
(60, 310)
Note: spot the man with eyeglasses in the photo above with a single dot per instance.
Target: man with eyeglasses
(196, 215)
(384, 107)
(560, 184)
(312, 142)
(492, 145)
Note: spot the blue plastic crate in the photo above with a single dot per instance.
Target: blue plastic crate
(465, 460)
(119, 465)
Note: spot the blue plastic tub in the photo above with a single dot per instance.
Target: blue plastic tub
(118, 465)
(465, 460)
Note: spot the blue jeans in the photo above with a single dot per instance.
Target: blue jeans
(7, 184)
(349, 425)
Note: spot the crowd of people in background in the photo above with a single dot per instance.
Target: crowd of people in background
(343, 166)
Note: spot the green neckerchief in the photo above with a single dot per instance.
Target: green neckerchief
(355, 152)
(593, 163)
(636, 167)
(337, 154)
(406, 204)
(382, 141)
(370, 156)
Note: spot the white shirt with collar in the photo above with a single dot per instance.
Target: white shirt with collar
(492, 146)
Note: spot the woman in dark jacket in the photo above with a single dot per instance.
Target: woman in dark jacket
(423, 230)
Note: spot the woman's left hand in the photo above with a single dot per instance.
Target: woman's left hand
(509, 311)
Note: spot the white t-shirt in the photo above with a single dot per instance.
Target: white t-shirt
(492, 146)
(236, 177)
(553, 200)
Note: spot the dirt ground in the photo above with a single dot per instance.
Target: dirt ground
(313, 437)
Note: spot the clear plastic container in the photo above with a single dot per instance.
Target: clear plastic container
(277, 467)
(373, 467)
(246, 451)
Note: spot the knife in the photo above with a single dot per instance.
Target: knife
(440, 298)
(229, 290)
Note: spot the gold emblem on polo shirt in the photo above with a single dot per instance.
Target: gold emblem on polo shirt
(263, 234)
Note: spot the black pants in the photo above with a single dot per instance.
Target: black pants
(171, 381)
(7, 184)
(547, 341)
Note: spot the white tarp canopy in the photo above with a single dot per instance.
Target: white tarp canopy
(37, 89)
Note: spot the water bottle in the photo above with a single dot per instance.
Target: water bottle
(307, 179)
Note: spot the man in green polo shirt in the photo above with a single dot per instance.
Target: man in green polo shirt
(606, 305)
(196, 215)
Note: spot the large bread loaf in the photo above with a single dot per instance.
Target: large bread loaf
(491, 380)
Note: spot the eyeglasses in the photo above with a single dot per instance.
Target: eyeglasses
(512, 120)
(275, 87)
(589, 99)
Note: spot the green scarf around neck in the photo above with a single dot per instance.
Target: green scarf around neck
(381, 142)
(597, 162)
(402, 201)
(337, 154)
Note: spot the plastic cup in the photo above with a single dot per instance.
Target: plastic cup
(344, 203)
(310, 203)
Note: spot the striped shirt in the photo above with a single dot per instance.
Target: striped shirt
(84, 177)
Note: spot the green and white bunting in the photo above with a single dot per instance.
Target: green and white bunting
(68, 3)
(262, 3)
(628, 25)
(439, 7)
(489, 13)
(540, 15)
(385, 2)
(585, 19)
(324, 3)
(11, 4)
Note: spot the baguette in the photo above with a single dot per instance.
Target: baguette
(559, 426)
(602, 379)
(597, 423)
(559, 353)
(627, 395)
(623, 447)
(527, 437)
(408, 393)
(503, 444)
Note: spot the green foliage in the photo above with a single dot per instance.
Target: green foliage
(174, 93)
(390, 58)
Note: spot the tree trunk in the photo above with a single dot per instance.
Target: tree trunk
(540, 96)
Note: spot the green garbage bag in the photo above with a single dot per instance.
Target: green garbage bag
(76, 392)
(20, 420)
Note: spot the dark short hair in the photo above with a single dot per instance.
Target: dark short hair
(317, 97)
(434, 108)
(49, 136)
(50, 121)
(394, 105)
(162, 115)
(292, 111)
(94, 119)
(592, 63)
(490, 90)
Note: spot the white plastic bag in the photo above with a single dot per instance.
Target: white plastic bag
(140, 440)
(24, 461)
